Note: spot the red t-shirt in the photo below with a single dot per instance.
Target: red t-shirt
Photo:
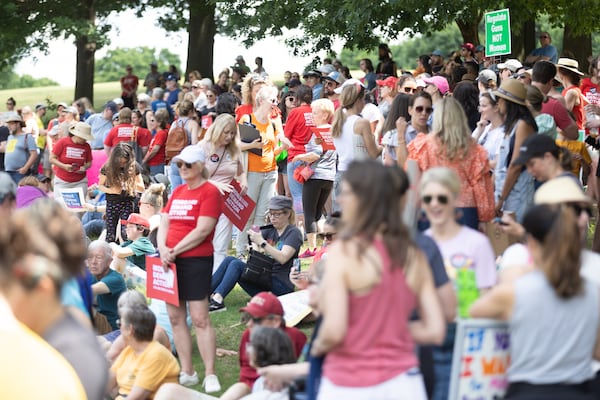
(590, 90)
(248, 374)
(184, 208)
(129, 83)
(297, 129)
(559, 113)
(70, 153)
(124, 133)
(158, 140)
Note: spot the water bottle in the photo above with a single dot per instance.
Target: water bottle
(591, 116)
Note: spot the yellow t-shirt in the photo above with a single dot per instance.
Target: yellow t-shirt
(577, 147)
(30, 367)
(148, 370)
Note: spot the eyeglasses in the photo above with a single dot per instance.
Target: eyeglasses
(543, 37)
(441, 198)
(327, 235)
(195, 87)
(329, 83)
(420, 109)
(410, 90)
(180, 164)
(276, 214)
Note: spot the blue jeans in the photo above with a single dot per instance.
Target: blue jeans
(174, 176)
(295, 187)
(229, 272)
(157, 169)
(442, 364)
(16, 177)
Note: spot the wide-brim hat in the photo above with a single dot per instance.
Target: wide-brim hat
(14, 117)
(82, 130)
(512, 90)
(564, 189)
(570, 64)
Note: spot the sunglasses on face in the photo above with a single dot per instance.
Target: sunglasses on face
(420, 109)
(410, 90)
(195, 87)
(328, 235)
(180, 164)
(442, 199)
(579, 209)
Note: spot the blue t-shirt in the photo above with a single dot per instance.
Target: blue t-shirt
(548, 51)
(17, 151)
(370, 80)
(107, 303)
(100, 128)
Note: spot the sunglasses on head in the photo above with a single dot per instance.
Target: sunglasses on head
(328, 235)
(180, 164)
(442, 199)
(420, 109)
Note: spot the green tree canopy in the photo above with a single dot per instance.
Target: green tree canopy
(111, 67)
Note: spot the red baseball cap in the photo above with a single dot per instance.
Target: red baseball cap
(390, 82)
(136, 219)
(263, 305)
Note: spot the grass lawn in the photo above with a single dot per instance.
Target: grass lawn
(30, 96)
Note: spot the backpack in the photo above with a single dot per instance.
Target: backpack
(177, 139)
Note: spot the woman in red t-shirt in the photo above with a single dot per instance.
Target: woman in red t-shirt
(155, 157)
(185, 239)
(71, 156)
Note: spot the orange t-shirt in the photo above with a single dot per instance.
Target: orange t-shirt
(268, 134)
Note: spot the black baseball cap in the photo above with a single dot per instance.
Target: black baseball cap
(536, 146)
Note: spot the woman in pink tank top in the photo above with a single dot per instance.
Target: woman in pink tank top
(374, 278)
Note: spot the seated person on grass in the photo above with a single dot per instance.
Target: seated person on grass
(263, 310)
(144, 365)
(137, 246)
(114, 343)
(108, 284)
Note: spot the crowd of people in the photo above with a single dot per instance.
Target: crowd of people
(403, 177)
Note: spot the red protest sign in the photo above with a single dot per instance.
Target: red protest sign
(237, 207)
(324, 134)
(161, 285)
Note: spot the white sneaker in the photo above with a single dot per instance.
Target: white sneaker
(211, 384)
(188, 380)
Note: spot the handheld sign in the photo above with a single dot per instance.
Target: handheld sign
(161, 285)
(497, 33)
(480, 360)
(236, 207)
(324, 134)
(73, 198)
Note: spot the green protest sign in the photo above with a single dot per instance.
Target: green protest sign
(497, 33)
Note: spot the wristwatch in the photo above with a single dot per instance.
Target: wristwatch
(263, 244)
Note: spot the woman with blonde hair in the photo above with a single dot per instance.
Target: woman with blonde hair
(450, 145)
(221, 144)
(317, 187)
(262, 170)
(151, 202)
(351, 133)
(250, 87)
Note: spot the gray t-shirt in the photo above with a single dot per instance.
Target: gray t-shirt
(17, 151)
(552, 339)
(79, 346)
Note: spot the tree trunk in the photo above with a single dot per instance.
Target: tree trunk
(86, 49)
(470, 29)
(523, 39)
(84, 77)
(529, 37)
(202, 30)
(580, 46)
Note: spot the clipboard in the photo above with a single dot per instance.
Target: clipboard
(249, 134)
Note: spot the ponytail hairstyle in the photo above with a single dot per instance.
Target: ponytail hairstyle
(550, 225)
(350, 95)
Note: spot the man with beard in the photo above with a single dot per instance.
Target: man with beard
(330, 83)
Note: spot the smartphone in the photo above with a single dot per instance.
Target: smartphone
(296, 265)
